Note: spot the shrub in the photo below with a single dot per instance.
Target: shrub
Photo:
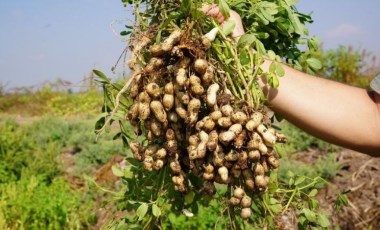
(31, 203)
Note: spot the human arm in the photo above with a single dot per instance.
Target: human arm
(338, 113)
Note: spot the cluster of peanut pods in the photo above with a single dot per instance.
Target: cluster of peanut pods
(194, 125)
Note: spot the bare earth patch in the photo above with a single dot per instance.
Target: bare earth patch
(360, 174)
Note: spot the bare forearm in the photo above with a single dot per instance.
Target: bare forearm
(335, 112)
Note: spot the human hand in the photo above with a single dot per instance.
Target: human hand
(214, 12)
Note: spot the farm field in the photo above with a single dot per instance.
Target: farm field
(54, 174)
(181, 123)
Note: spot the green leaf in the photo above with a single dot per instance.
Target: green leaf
(297, 65)
(117, 136)
(313, 192)
(268, 15)
(291, 2)
(263, 19)
(299, 180)
(273, 201)
(244, 57)
(186, 6)
(343, 198)
(262, 35)
(313, 204)
(273, 185)
(310, 215)
(246, 40)
(156, 210)
(312, 43)
(224, 8)
(101, 75)
(133, 161)
(260, 47)
(189, 197)
(302, 220)
(228, 27)
(273, 81)
(290, 174)
(293, 17)
(128, 172)
(280, 72)
(255, 207)
(116, 171)
(100, 121)
(132, 202)
(142, 210)
(276, 208)
(291, 181)
(277, 69)
(271, 55)
(122, 226)
(314, 63)
(323, 220)
(125, 33)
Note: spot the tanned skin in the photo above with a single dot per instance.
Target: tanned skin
(340, 114)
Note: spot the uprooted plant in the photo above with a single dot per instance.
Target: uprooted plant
(192, 111)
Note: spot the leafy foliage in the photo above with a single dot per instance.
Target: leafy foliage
(276, 23)
(18, 155)
(32, 203)
(351, 66)
(275, 30)
(33, 191)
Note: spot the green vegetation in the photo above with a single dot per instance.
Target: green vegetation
(299, 140)
(351, 66)
(33, 203)
(35, 192)
(46, 101)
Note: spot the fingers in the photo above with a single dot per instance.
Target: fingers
(213, 11)
(239, 29)
(207, 8)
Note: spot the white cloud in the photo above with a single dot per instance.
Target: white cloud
(343, 30)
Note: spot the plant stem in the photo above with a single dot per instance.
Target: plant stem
(117, 100)
(289, 201)
(240, 74)
(231, 213)
(239, 71)
(267, 208)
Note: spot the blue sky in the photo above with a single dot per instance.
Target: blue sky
(345, 22)
(42, 40)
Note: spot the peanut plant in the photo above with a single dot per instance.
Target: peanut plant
(193, 114)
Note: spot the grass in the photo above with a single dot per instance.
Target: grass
(325, 166)
(299, 140)
(34, 193)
